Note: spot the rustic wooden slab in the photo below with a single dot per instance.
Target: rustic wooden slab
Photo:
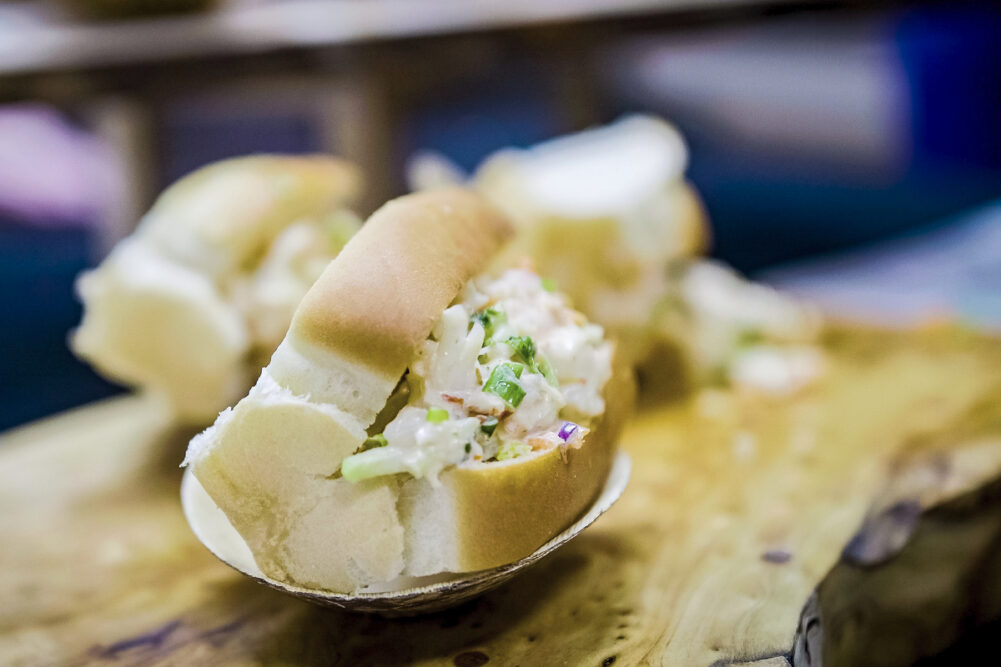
(739, 508)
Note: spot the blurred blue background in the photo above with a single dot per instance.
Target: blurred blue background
(810, 133)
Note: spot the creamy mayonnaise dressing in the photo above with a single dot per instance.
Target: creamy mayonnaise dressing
(509, 369)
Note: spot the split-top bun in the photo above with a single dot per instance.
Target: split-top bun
(271, 463)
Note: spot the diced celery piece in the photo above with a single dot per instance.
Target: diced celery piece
(372, 463)
(512, 449)
(437, 415)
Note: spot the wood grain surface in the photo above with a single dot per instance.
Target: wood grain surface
(748, 533)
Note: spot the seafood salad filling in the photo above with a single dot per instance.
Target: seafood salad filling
(510, 369)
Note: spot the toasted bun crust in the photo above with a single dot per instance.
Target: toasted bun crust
(379, 300)
(492, 524)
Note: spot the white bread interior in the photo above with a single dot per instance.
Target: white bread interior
(268, 464)
(158, 312)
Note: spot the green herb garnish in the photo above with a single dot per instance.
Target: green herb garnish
(490, 319)
(489, 425)
(469, 447)
(546, 371)
(524, 349)
(503, 381)
(437, 415)
(549, 284)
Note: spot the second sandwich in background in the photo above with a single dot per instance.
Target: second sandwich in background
(608, 216)
(191, 305)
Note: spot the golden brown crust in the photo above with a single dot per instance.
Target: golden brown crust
(377, 302)
(505, 512)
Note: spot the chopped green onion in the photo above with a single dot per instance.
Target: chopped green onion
(489, 425)
(512, 449)
(373, 441)
(469, 447)
(437, 415)
(490, 319)
(549, 284)
(503, 381)
(524, 349)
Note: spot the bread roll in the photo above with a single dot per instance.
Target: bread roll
(196, 300)
(276, 463)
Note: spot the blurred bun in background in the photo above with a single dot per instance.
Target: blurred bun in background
(608, 216)
(193, 303)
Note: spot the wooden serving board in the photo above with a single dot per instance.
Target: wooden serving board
(854, 524)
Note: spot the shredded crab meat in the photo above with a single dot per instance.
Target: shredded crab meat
(509, 369)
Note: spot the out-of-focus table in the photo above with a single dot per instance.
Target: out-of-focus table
(856, 523)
